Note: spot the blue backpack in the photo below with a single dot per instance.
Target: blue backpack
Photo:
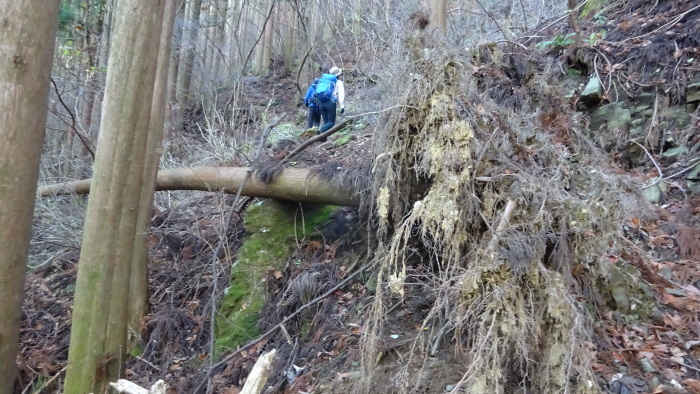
(325, 88)
(309, 99)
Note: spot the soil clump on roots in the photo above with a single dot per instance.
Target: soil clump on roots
(487, 181)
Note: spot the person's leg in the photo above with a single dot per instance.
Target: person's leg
(316, 115)
(310, 117)
(331, 113)
(328, 113)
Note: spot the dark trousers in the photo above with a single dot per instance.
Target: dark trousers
(328, 114)
(314, 117)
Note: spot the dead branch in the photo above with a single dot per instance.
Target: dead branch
(658, 167)
(83, 138)
(505, 219)
(310, 141)
(301, 67)
(48, 382)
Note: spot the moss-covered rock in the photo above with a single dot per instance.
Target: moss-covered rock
(625, 291)
(272, 231)
(343, 138)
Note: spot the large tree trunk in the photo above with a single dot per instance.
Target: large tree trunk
(175, 56)
(221, 16)
(294, 184)
(106, 36)
(184, 78)
(27, 42)
(438, 14)
(263, 54)
(98, 334)
(138, 292)
(95, 19)
(286, 18)
(268, 41)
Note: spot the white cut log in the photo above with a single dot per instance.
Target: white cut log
(125, 386)
(258, 376)
(158, 387)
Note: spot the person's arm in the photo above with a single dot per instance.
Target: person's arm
(340, 86)
(309, 92)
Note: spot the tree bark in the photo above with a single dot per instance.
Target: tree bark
(27, 40)
(571, 4)
(294, 184)
(221, 16)
(178, 29)
(287, 18)
(98, 334)
(506, 19)
(259, 20)
(138, 292)
(94, 28)
(184, 78)
(263, 47)
(268, 41)
(438, 14)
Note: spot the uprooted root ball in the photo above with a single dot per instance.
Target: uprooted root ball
(507, 208)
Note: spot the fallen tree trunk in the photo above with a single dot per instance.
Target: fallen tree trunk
(294, 184)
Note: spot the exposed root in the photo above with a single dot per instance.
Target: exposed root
(503, 249)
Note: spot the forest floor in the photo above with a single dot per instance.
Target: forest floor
(657, 352)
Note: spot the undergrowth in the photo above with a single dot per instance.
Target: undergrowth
(512, 210)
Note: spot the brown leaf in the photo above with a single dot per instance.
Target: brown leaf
(661, 240)
(660, 348)
(688, 240)
(313, 246)
(645, 353)
(674, 321)
(690, 303)
(693, 385)
(341, 376)
(677, 352)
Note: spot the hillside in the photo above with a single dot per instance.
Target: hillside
(528, 224)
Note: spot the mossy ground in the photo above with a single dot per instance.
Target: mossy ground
(273, 229)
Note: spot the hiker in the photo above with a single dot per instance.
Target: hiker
(314, 116)
(330, 92)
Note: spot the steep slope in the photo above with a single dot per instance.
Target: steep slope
(505, 244)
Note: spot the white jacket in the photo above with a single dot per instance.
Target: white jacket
(339, 94)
